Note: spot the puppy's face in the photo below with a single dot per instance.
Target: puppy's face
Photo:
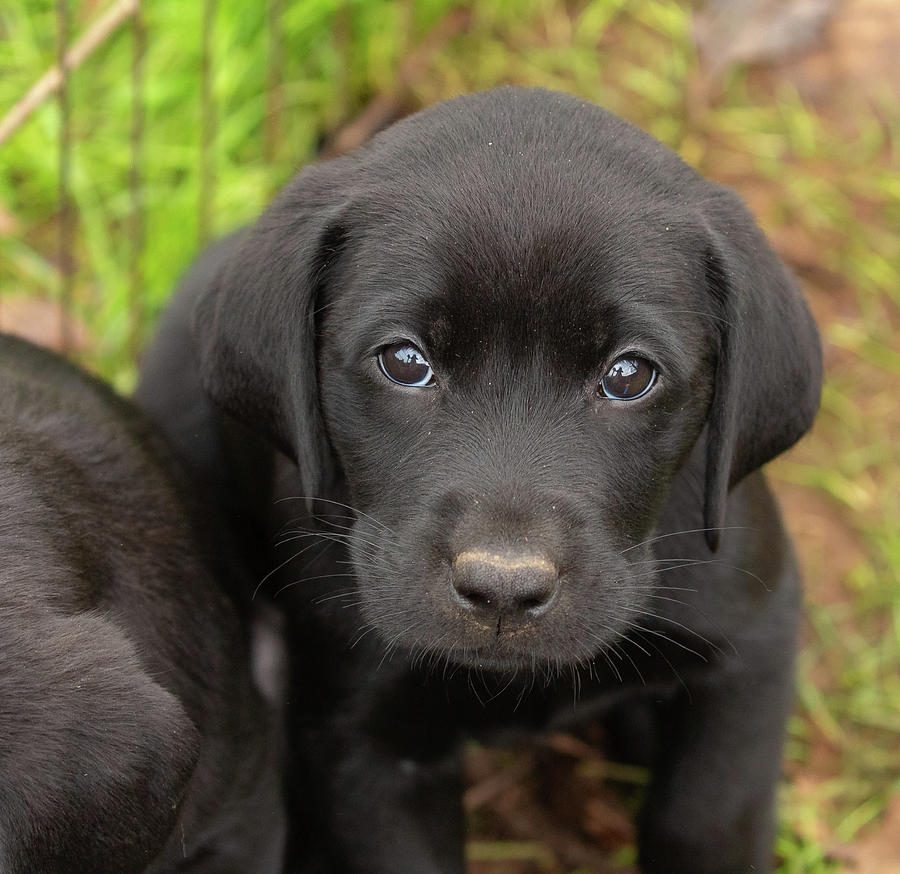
(510, 393)
(509, 319)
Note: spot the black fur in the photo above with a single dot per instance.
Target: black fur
(131, 736)
(523, 240)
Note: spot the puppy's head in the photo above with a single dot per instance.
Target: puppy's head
(507, 322)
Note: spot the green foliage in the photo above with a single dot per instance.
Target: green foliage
(327, 73)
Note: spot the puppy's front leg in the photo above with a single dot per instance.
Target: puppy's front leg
(385, 815)
(377, 784)
(401, 814)
(710, 807)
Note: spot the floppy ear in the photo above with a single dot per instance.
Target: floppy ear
(255, 324)
(769, 370)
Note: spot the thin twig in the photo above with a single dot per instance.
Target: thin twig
(66, 215)
(525, 817)
(274, 80)
(51, 81)
(487, 789)
(207, 126)
(135, 183)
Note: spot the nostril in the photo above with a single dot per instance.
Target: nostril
(534, 602)
(470, 594)
(504, 582)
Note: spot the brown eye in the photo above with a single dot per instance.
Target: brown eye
(404, 364)
(629, 378)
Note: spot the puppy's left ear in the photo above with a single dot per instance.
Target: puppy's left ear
(769, 369)
(255, 320)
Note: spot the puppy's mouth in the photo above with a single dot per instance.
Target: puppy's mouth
(522, 650)
(447, 633)
(504, 641)
(499, 604)
(500, 640)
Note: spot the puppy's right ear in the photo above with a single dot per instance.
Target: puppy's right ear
(769, 368)
(255, 325)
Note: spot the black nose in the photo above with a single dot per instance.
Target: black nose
(504, 582)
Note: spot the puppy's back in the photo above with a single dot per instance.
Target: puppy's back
(126, 703)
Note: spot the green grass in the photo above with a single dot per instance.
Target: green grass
(318, 92)
(828, 194)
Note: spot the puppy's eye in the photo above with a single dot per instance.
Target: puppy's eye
(629, 378)
(404, 364)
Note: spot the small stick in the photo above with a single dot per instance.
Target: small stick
(274, 80)
(51, 81)
(136, 228)
(66, 230)
(207, 126)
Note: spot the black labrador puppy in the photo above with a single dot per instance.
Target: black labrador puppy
(131, 735)
(533, 362)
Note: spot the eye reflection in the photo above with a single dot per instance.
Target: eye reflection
(629, 378)
(404, 364)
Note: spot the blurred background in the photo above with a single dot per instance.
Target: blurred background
(132, 132)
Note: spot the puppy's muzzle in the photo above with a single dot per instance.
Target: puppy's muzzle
(504, 582)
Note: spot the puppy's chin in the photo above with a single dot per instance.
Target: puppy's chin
(503, 658)
(441, 635)
(523, 657)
